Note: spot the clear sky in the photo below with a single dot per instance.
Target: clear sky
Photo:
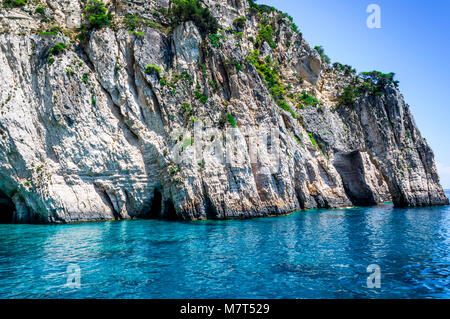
(413, 42)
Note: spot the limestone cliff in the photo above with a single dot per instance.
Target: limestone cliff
(145, 117)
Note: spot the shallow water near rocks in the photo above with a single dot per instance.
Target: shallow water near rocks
(313, 254)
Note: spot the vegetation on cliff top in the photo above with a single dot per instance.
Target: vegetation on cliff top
(192, 10)
(97, 14)
(325, 58)
(373, 82)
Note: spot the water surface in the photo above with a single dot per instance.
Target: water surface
(314, 254)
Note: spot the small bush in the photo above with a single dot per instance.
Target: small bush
(235, 63)
(319, 49)
(199, 96)
(153, 69)
(186, 107)
(312, 139)
(40, 10)
(295, 28)
(348, 97)
(231, 120)
(325, 58)
(347, 69)
(132, 21)
(97, 14)
(215, 40)
(374, 82)
(85, 77)
(192, 10)
(141, 34)
(48, 33)
(306, 99)
(379, 79)
(266, 33)
(55, 50)
(14, 3)
(240, 22)
(163, 81)
(213, 84)
(52, 31)
(260, 8)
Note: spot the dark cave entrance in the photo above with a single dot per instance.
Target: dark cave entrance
(156, 206)
(170, 213)
(160, 208)
(351, 168)
(7, 209)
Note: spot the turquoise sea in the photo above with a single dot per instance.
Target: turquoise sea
(313, 254)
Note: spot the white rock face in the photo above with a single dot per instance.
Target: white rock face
(98, 135)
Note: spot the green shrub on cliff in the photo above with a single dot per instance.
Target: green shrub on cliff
(348, 97)
(231, 120)
(199, 96)
(313, 140)
(55, 50)
(51, 31)
(325, 58)
(97, 14)
(319, 49)
(265, 34)
(269, 70)
(215, 40)
(373, 82)
(192, 10)
(153, 69)
(14, 3)
(379, 79)
(347, 69)
(260, 8)
(240, 22)
(306, 99)
(132, 21)
(40, 10)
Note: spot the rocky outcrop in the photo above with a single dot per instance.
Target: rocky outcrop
(171, 123)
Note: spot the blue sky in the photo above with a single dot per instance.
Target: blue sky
(413, 42)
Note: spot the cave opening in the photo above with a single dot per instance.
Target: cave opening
(351, 168)
(156, 205)
(7, 209)
(170, 213)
